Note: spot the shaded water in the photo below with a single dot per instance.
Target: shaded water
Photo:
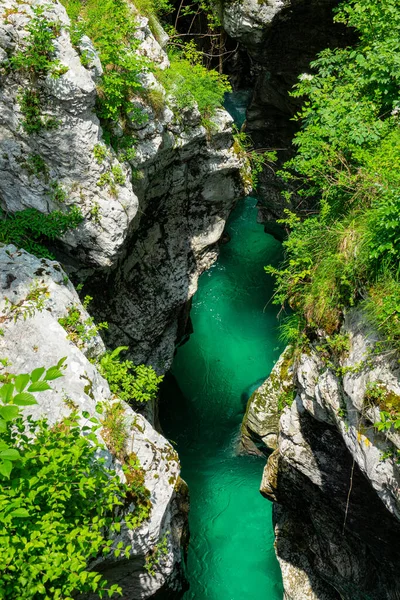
(232, 350)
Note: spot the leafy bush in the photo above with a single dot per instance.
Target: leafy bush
(37, 55)
(129, 382)
(347, 158)
(111, 26)
(190, 83)
(59, 504)
(31, 230)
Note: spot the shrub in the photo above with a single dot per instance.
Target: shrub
(347, 157)
(37, 55)
(111, 26)
(59, 503)
(190, 83)
(80, 331)
(32, 230)
(129, 382)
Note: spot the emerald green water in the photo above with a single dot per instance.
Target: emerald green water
(232, 350)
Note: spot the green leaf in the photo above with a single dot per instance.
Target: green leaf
(6, 468)
(3, 425)
(39, 386)
(61, 362)
(24, 399)
(9, 412)
(53, 373)
(37, 373)
(6, 392)
(19, 512)
(21, 381)
(10, 454)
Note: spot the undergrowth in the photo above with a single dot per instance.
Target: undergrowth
(189, 82)
(111, 26)
(32, 230)
(348, 152)
(60, 505)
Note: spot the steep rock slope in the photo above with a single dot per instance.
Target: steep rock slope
(280, 37)
(32, 337)
(334, 477)
(150, 227)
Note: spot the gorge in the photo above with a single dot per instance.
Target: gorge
(123, 179)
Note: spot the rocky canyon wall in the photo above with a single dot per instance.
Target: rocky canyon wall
(332, 475)
(150, 226)
(277, 41)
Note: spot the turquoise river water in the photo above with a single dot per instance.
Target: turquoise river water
(232, 350)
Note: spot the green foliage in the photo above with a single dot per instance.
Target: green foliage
(59, 504)
(31, 230)
(114, 429)
(57, 192)
(110, 24)
(100, 153)
(80, 330)
(31, 108)
(35, 165)
(348, 152)
(25, 308)
(388, 402)
(156, 555)
(129, 382)
(37, 55)
(382, 308)
(112, 178)
(190, 83)
(258, 159)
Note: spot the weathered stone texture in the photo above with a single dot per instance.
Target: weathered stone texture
(33, 339)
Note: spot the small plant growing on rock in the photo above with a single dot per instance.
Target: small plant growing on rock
(388, 402)
(129, 382)
(37, 55)
(156, 555)
(100, 153)
(80, 331)
(34, 301)
(35, 165)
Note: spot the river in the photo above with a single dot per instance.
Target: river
(232, 350)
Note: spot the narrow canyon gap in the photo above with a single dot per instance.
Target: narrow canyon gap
(232, 350)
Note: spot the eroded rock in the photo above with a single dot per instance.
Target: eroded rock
(35, 293)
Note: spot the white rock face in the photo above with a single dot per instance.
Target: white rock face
(150, 240)
(336, 479)
(260, 425)
(68, 150)
(248, 21)
(39, 340)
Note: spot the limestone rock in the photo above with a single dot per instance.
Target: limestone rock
(334, 478)
(143, 245)
(32, 337)
(260, 425)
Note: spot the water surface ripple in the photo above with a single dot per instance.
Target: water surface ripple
(232, 350)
